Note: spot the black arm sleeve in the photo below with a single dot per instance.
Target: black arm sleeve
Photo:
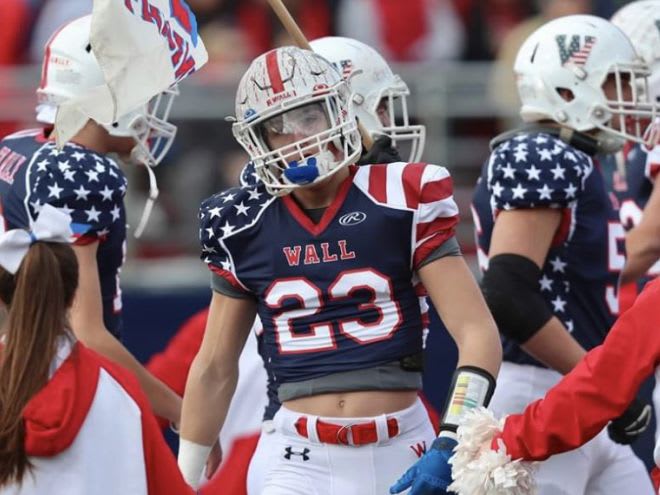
(512, 292)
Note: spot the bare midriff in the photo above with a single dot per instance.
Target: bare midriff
(353, 404)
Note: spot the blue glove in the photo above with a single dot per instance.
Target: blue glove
(431, 475)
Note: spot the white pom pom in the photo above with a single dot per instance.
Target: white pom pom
(479, 470)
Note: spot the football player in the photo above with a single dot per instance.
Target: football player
(83, 181)
(631, 173)
(544, 226)
(378, 96)
(342, 323)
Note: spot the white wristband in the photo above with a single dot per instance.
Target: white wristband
(191, 460)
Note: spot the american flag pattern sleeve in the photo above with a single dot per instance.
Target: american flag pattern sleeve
(88, 186)
(536, 171)
(225, 215)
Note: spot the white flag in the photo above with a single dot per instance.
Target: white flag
(143, 48)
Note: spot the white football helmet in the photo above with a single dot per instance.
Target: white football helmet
(70, 68)
(285, 91)
(577, 53)
(375, 90)
(641, 23)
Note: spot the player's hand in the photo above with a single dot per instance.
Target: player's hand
(631, 424)
(431, 475)
(382, 151)
(213, 461)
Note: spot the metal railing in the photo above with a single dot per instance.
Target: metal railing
(452, 100)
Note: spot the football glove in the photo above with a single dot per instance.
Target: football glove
(631, 424)
(430, 475)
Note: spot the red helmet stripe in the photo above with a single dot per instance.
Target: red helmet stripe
(44, 65)
(274, 74)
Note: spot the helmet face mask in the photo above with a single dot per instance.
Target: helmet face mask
(630, 109)
(70, 69)
(373, 84)
(392, 113)
(307, 116)
(578, 56)
(151, 130)
(640, 21)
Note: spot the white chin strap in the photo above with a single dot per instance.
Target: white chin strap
(153, 192)
(652, 134)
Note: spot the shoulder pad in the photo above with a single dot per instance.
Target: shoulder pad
(87, 185)
(233, 210)
(536, 170)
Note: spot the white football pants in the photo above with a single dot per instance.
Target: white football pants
(286, 463)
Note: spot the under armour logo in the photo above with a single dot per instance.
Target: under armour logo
(289, 452)
(574, 53)
(419, 449)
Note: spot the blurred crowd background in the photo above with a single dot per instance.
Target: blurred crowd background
(455, 55)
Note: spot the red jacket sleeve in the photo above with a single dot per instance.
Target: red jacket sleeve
(597, 390)
(231, 476)
(172, 365)
(163, 475)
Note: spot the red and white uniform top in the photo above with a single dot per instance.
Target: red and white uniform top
(339, 295)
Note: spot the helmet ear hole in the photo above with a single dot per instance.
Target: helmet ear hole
(88, 48)
(565, 94)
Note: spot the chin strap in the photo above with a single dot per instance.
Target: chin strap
(652, 135)
(149, 205)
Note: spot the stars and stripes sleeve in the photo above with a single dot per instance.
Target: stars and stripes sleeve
(536, 171)
(86, 185)
(223, 218)
(423, 188)
(437, 212)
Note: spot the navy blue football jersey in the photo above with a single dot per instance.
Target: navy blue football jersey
(579, 277)
(339, 295)
(629, 177)
(88, 186)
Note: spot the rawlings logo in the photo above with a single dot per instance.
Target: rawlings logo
(288, 452)
(352, 218)
(575, 53)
